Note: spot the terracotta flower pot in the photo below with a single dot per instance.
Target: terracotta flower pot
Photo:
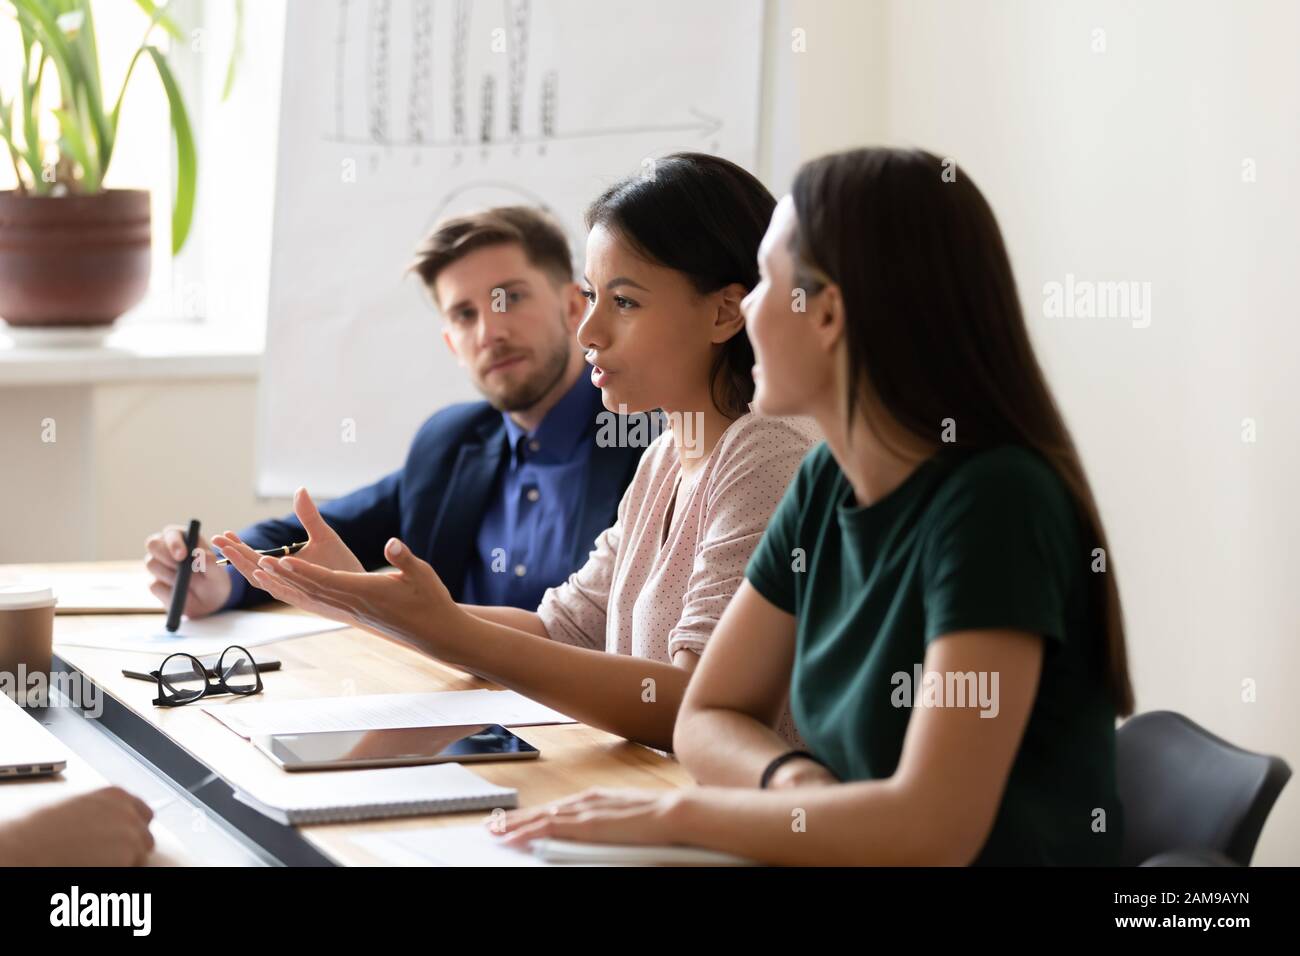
(72, 261)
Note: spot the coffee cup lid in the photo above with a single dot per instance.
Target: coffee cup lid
(17, 597)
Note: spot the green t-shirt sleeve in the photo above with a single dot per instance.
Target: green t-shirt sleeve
(771, 569)
(1003, 549)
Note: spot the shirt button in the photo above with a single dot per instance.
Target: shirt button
(533, 494)
(520, 570)
(534, 445)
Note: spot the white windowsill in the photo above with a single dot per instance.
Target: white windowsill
(136, 352)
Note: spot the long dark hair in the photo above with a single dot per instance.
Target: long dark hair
(704, 217)
(934, 328)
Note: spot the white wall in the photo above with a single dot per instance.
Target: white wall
(127, 458)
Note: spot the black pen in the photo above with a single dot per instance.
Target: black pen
(280, 552)
(181, 589)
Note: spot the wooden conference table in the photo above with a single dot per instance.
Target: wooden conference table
(189, 745)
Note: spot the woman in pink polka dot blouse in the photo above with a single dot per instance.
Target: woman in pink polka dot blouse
(670, 255)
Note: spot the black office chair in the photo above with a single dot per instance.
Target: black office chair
(1191, 799)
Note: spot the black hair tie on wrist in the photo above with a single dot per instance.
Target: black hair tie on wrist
(785, 758)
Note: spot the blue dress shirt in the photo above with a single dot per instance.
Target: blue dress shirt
(525, 541)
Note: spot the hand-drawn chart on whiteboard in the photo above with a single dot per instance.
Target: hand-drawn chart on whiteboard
(395, 113)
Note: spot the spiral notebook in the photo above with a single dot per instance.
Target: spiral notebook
(333, 796)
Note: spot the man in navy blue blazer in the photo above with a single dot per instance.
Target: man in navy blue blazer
(504, 497)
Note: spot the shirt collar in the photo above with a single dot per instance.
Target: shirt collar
(561, 430)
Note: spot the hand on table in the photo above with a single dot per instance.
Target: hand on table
(597, 816)
(107, 827)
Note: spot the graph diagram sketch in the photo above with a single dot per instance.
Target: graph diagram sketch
(395, 113)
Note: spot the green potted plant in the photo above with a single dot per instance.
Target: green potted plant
(72, 253)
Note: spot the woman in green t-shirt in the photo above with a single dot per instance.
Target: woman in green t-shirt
(933, 593)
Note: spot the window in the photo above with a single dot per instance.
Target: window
(235, 138)
(142, 155)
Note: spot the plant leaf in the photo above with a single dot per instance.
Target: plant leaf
(44, 26)
(158, 15)
(92, 175)
(6, 108)
(92, 104)
(186, 158)
(74, 143)
(30, 101)
(236, 51)
(41, 21)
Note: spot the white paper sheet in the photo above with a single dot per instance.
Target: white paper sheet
(379, 711)
(472, 845)
(207, 635)
(476, 845)
(97, 592)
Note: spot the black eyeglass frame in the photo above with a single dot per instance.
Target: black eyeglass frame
(212, 687)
